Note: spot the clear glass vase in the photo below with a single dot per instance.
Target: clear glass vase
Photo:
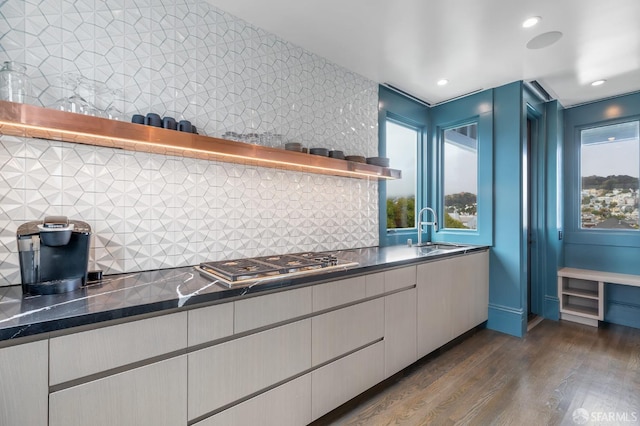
(14, 83)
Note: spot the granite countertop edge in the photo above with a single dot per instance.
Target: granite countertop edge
(153, 292)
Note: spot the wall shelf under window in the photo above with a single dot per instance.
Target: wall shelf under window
(37, 122)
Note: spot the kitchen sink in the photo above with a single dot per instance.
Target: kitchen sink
(426, 249)
(439, 246)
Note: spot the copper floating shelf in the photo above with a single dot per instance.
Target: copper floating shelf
(37, 122)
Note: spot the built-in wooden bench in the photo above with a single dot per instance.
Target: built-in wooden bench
(581, 293)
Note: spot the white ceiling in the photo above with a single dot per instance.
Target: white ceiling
(475, 44)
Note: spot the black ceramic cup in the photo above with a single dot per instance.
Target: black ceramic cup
(153, 119)
(185, 126)
(137, 118)
(194, 129)
(169, 123)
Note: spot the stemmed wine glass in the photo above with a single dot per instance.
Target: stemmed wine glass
(71, 101)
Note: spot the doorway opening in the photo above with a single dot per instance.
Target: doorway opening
(533, 211)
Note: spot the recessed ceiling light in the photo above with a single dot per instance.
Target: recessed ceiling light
(598, 82)
(530, 22)
(611, 139)
(442, 82)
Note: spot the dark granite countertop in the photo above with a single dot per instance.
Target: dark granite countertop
(125, 295)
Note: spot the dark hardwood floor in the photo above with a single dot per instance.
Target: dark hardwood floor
(557, 371)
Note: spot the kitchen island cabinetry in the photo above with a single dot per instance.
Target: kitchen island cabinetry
(452, 298)
(23, 384)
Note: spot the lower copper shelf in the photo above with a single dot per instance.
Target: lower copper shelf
(37, 122)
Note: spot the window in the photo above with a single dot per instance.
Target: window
(460, 177)
(401, 134)
(609, 172)
(402, 149)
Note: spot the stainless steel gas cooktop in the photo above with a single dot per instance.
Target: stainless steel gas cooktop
(246, 271)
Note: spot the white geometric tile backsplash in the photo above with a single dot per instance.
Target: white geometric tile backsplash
(193, 61)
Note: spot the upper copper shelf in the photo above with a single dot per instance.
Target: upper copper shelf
(37, 122)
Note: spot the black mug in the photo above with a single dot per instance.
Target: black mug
(137, 118)
(169, 123)
(153, 119)
(185, 126)
(194, 129)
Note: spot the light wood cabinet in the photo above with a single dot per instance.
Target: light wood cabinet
(452, 298)
(470, 286)
(153, 395)
(480, 287)
(284, 358)
(81, 354)
(374, 284)
(433, 307)
(338, 332)
(396, 279)
(270, 309)
(399, 331)
(337, 382)
(581, 293)
(461, 282)
(224, 373)
(23, 384)
(285, 405)
(209, 323)
(338, 293)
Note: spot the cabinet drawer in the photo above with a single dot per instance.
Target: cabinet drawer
(399, 278)
(375, 284)
(338, 293)
(286, 405)
(224, 373)
(272, 308)
(88, 352)
(336, 383)
(338, 332)
(152, 395)
(23, 384)
(210, 323)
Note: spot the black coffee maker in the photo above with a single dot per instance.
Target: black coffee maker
(54, 255)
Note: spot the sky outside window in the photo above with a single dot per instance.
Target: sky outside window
(402, 149)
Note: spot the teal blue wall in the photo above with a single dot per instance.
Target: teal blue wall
(553, 209)
(507, 271)
(611, 251)
(502, 116)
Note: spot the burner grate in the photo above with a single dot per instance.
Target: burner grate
(242, 268)
(291, 263)
(251, 269)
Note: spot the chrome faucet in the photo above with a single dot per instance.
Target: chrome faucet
(434, 223)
